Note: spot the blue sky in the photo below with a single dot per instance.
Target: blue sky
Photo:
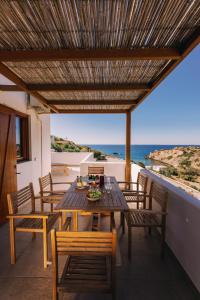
(170, 115)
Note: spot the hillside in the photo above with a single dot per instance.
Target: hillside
(181, 163)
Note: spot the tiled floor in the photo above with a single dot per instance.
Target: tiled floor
(145, 278)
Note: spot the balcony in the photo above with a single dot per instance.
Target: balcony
(146, 277)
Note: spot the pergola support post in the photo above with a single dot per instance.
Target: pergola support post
(128, 146)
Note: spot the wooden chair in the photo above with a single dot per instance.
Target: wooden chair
(47, 189)
(33, 222)
(135, 192)
(150, 218)
(90, 266)
(95, 170)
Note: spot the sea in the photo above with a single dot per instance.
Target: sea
(138, 152)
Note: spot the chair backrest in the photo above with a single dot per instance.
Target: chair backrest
(142, 181)
(20, 198)
(83, 243)
(45, 183)
(95, 170)
(158, 194)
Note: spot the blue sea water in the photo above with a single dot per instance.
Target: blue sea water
(138, 152)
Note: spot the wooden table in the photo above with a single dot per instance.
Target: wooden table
(76, 201)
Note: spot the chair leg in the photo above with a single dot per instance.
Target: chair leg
(111, 218)
(162, 243)
(45, 242)
(42, 206)
(122, 221)
(33, 236)
(60, 222)
(55, 295)
(51, 207)
(129, 242)
(12, 242)
(60, 295)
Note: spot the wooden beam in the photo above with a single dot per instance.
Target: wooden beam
(90, 54)
(87, 87)
(91, 102)
(128, 147)
(184, 50)
(92, 111)
(10, 88)
(14, 78)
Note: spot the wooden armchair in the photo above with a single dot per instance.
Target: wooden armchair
(90, 266)
(135, 192)
(47, 189)
(33, 222)
(150, 218)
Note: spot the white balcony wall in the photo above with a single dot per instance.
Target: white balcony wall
(39, 139)
(183, 223)
(111, 168)
(70, 158)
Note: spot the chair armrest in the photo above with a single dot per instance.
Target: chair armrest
(130, 193)
(148, 211)
(127, 182)
(28, 216)
(67, 224)
(134, 192)
(113, 223)
(66, 182)
(55, 196)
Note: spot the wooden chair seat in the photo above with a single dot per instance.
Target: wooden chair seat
(37, 223)
(142, 218)
(86, 274)
(134, 197)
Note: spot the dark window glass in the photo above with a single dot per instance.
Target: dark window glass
(21, 138)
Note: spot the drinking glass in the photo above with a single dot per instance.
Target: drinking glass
(108, 180)
(108, 188)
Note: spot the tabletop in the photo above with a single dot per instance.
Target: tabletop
(76, 200)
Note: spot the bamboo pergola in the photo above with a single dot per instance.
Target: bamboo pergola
(94, 56)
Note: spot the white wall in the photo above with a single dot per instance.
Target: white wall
(70, 158)
(183, 223)
(116, 168)
(39, 135)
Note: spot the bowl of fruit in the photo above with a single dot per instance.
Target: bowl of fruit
(93, 195)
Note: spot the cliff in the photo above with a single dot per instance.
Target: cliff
(179, 157)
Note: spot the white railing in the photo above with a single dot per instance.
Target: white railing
(183, 223)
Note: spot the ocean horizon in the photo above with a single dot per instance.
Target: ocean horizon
(138, 152)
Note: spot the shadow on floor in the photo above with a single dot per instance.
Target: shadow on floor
(146, 277)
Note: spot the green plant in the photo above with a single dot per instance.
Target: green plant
(141, 164)
(169, 157)
(56, 147)
(168, 171)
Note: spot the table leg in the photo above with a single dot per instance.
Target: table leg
(111, 218)
(64, 217)
(75, 220)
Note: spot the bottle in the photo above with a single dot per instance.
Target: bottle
(101, 181)
(97, 179)
(77, 179)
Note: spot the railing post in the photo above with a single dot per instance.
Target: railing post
(128, 146)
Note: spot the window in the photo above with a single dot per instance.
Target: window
(21, 138)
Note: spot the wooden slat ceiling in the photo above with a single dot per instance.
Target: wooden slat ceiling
(96, 55)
